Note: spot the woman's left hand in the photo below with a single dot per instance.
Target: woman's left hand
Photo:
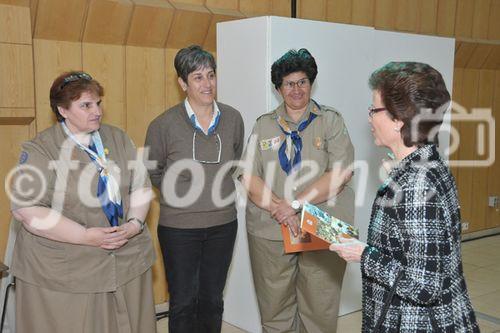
(282, 211)
(130, 228)
(349, 249)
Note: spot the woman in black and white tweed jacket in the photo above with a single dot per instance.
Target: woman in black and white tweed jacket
(411, 267)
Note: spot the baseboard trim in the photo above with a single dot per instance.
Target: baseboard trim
(480, 234)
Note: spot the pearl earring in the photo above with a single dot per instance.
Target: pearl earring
(397, 129)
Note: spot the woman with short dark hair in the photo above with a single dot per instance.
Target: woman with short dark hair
(82, 259)
(304, 147)
(411, 267)
(197, 238)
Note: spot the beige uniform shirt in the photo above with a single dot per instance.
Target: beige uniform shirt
(325, 142)
(67, 267)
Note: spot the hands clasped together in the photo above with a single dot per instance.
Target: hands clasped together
(111, 238)
(283, 213)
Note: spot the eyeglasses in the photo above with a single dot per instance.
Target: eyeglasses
(75, 77)
(300, 83)
(218, 142)
(372, 110)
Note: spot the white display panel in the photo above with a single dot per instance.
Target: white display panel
(346, 55)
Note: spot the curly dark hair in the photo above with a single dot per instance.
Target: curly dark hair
(69, 87)
(291, 62)
(192, 58)
(414, 93)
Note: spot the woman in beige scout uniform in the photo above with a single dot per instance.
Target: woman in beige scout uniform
(82, 259)
(300, 139)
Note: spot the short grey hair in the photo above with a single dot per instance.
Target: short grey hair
(192, 58)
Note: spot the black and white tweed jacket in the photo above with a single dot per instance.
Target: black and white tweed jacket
(414, 241)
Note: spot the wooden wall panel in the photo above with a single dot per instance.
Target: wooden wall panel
(467, 147)
(407, 18)
(145, 98)
(17, 116)
(33, 10)
(14, 135)
(427, 10)
(493, 214)
(494, 21)
(251, 8)
(210, 39)
(52, 58)
(173, 90)
(464, 53)
(188, 27)
(282, 8)
(224, 7)
(106, 63)
(339, 11)
(24, 3)
(464, 18)
(479, 188)
(479, 56)
(150, 24)
(312, 9)
(16, 76)
(445, 25)
(160, 287)
(493, 59)
(386, 12)
(15, 24)
(456, 97)
(145, 89)
(52, 19)
(108, 21)
(481, 16)
(363, 12)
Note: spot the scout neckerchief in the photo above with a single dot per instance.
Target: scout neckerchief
(292, 138)
(107, 187)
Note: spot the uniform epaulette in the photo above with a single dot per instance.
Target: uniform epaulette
(265, 114)
(329, 108)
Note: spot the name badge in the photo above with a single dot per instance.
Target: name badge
(272, 143)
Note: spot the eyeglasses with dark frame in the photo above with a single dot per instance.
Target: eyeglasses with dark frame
(304, 82)
(372, 110)
(75, 77)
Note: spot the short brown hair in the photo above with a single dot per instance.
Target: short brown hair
(192, 58)
(413, 91)
(68, 87)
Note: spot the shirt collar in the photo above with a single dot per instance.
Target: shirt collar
(311, 107)
(194, 120)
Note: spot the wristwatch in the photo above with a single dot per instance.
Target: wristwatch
(141, 223)
(296, 205)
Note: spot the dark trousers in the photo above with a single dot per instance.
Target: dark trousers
(196, 264)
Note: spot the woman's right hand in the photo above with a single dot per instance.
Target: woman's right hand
(109, 238)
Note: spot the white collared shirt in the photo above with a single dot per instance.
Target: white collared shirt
(194, 119)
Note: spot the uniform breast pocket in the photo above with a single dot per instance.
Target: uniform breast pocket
(319, 153)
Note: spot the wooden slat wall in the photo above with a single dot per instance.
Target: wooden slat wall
(475, 88)
(493, 214)
(17, 96)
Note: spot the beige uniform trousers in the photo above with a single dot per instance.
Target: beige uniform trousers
(296, 292)
(130, 309)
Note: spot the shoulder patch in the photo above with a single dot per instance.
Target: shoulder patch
(23, 158)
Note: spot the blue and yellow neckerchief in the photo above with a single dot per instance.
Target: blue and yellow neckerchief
(108, 190)
(295, 140)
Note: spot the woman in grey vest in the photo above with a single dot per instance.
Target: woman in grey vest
(192, 144)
